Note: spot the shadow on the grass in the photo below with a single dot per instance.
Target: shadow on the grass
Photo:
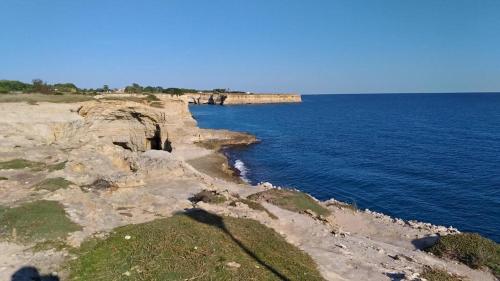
(215, 220)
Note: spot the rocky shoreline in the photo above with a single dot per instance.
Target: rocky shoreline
(114, 163)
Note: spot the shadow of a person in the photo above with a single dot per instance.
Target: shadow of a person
(215, 220)
(30, 273)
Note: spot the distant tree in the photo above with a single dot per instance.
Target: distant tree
(7, 86)
(178, 91)
(219, 90)
(148, 89)
(66, 87)
(105, 88)
(134, 88)
(41, 87)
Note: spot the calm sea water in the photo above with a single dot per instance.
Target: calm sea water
(430, 157)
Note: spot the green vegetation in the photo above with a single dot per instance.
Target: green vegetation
(17, 164)
(208, 196)
(291, 200)
(53, 184)
(178, 91)
(151, 97)
(57, 166)
(156, 104)
(435, 274)
(193, 246)
(36, 221)
(7, 86)
(469, 248)
(65, 88)
(138, 89)
(134, 89)
(41, 87)
(342, 205)
(58, 245)
(255, 206)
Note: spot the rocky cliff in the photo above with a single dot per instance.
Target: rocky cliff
(112, 163)
(217, 98)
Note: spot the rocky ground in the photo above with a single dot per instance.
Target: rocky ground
(128, 162)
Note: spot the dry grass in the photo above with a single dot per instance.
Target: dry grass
(34, 99)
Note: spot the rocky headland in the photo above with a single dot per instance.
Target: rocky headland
(233, 98)
(116, 163)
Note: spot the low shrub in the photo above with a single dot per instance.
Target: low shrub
(152, 98)
(208, 196)
(469, 248)
(435, 274)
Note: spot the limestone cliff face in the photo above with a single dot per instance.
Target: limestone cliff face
(210, 98)
(110, 140)
(133, 126)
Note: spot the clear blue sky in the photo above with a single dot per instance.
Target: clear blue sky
(303, 46)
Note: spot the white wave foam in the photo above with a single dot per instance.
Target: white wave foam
(238, 164)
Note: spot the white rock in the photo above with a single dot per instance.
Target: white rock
(233, 264)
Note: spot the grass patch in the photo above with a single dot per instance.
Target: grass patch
(208, 196)
(341, 205)
(138, 99)
(58, 245)
(469, 248)
(57, 166)
(33, 99)
(255, 206)
(36, 221)
(3, 178)
(435, 274)
(152, 98)
(156, 104)
(193, 246)
(53, 184)
(292, 200)
(17, 164)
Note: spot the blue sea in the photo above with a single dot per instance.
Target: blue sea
(428, 157)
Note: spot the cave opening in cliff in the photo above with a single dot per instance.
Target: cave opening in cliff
(155, 141)
(123, 145)
(167, 146)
